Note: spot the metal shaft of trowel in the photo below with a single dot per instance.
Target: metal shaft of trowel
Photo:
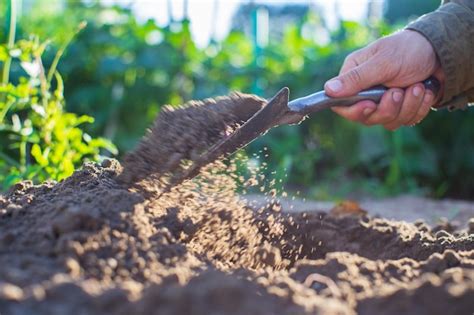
(320, 100)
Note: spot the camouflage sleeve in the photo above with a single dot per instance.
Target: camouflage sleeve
(450, 29)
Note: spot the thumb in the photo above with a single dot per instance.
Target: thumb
(359, 78)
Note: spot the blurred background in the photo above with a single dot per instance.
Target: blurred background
(133, 57)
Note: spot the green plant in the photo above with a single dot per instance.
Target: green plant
(39, 140)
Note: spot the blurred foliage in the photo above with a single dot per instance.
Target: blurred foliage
(122, 71)
(39, 140)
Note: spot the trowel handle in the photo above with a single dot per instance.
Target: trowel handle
(375, 94)
(319, 101)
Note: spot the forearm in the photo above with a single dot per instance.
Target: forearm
(450, 29)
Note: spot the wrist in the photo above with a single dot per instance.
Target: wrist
(424, 47)
(427, 52)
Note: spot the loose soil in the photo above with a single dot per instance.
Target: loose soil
(107, 240)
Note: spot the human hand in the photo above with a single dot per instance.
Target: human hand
(398, 61)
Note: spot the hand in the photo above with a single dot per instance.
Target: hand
(399, 61)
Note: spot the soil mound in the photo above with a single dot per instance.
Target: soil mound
(107, 240)
(90, 245)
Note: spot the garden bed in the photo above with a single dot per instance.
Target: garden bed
(90, 245)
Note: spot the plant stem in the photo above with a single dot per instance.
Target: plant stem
(23, 154)
(43, 83)
(8, 104)
(11, 42)
(60, 52)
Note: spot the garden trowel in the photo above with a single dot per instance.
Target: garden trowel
(280, 111)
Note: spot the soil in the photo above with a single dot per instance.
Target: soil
(107, 240)
(185, 132)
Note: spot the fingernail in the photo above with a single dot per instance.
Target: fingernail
(397, 96)
(417, 91)
(367, 111)
(334, 85)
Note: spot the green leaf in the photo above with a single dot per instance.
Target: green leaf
(38, 155)
(60, 85)
(105, 144)
(3, 53)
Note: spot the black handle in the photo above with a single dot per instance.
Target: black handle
(375, 93)
(433, 85)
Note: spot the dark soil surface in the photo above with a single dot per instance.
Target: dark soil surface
(88, 245)
(108, 241)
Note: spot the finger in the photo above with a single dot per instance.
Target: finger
(357, 112)
(428, 102)
(388, 109)
(411, 104)
(348, 65)
(356, 79)
(356, 58)
(350, 62)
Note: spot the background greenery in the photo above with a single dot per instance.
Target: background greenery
(121, 71)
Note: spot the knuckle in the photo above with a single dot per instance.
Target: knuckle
(388, 112)
(351, 57)
(410, 114)
(348, 59)
(410, 110)
(349, 63)
(354, 77)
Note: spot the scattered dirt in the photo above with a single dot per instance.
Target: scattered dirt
(94, 244)
(184, 132)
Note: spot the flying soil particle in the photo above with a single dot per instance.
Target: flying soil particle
(99, 243)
